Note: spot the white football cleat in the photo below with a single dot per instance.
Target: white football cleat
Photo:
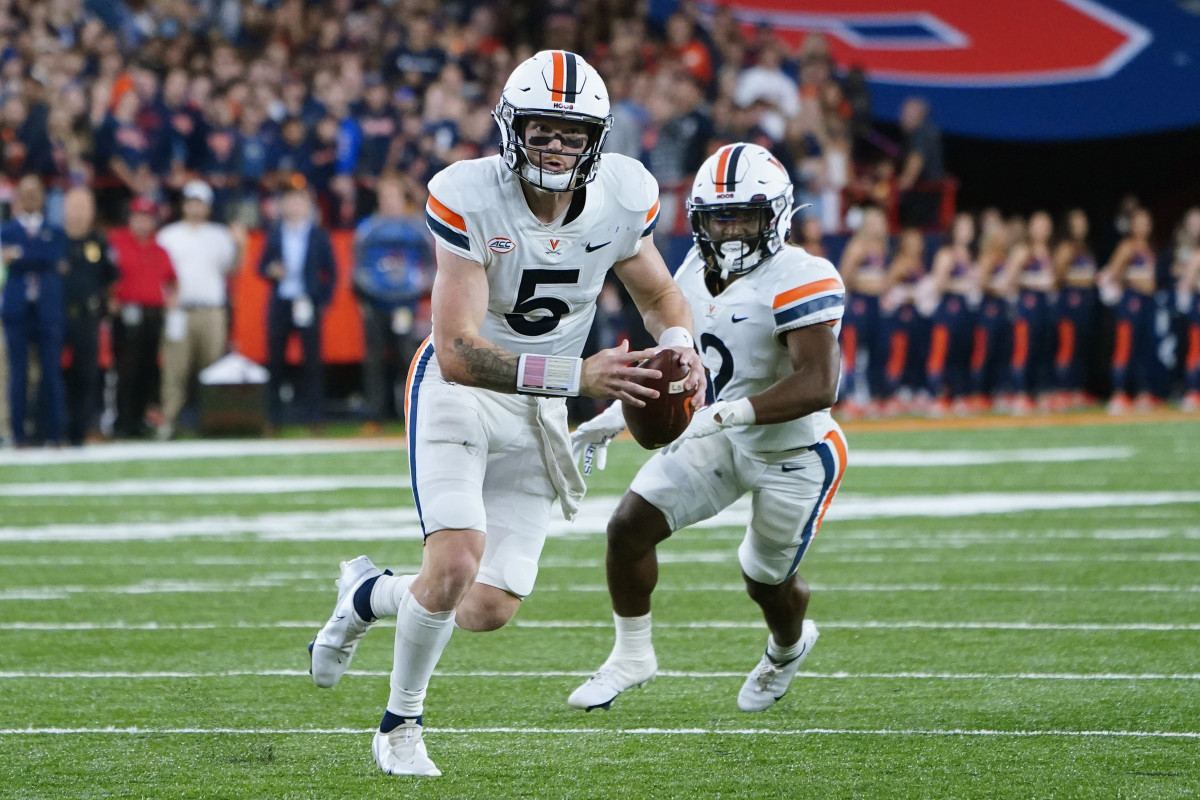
(769, 681)
(330, 652)
(613, 677)
(401, 751)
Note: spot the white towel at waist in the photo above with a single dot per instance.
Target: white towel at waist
(556, 452)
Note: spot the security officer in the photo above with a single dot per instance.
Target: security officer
(32, 308)
(90, 274)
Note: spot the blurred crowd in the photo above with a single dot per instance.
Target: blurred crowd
(257, 100)
(1017, 314)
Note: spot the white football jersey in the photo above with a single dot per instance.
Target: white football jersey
(740, 334)
(543, 280)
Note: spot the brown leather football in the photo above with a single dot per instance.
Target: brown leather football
(660, 421)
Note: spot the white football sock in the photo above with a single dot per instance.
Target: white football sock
(421, 636)
(633, 638)
(782, 655)
(387, 593)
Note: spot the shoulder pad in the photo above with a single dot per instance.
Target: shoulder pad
(631, 184)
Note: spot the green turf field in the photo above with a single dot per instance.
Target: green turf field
(1004, 613)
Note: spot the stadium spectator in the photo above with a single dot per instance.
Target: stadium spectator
(220, 170)
(31, 308)
(380, 124)
(683, 44)
(1187, 294)
(122, 156)
(181, 145)
(1130, 277)
(419, 59)
(990, 364)
(1030, 274)
(901, 325)
(204, 253)
(863, 268)
(922, 167)
(290, 156)
(298, 260)
(393, 270)
(811, 235)
(24, 148)
(88, 282)
(768, 88)
(1075, 272)
(630, 115)
(255, 137)
(145, 288)
(947, 369)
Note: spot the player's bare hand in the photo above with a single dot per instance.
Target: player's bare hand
(697, 380)
(612, 374)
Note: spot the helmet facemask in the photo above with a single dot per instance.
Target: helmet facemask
(522, 146)
(734, 238)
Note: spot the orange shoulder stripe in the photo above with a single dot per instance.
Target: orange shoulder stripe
(653, 212)
(807, 290)
(445, 214)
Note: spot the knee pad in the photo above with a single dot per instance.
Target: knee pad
(511, 564)
(762, 565)
(454, 510)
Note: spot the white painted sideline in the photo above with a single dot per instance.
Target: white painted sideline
(304, 583)
(250, 484)
(891, 625)
(393, 524)
(241, 448)
(1087, 627)
(207, 448)
(887, 676)
(556, 562)
(112, 730)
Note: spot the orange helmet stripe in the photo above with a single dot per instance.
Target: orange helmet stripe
(559, 79)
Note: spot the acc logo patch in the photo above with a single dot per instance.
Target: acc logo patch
(501, 244)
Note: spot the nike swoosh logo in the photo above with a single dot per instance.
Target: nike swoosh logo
(790, 467)
(592, 248)
(736, 318)
(340, 617)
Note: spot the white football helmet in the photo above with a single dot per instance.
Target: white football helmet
(740, 208)
(559, 85)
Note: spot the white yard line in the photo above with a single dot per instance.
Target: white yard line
(209, 448)
(869, 588)
(891, 625)
(554, 562)
(241, 448)
(359, 525)
(186, 487)
(525, 730)
(304, 582)
(1085, 627)
(916, 676)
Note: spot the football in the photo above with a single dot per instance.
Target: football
(660, 421)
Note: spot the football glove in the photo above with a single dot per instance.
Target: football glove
(716, 417)
(590, 440)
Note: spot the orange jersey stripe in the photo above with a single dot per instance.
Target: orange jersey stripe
(412, 373)
(445, 214)
(653, 212)
(807, 290)
(559, 78)
(839, 444)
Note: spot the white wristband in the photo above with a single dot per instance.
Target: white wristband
(551, 375)
(738, 412)
(677, 336)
